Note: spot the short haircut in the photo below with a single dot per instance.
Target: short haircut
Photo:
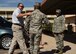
(19, 4)
(37, 6)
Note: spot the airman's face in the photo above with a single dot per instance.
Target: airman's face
(58, 12)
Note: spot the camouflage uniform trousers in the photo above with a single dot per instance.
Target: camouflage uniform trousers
(18, 38)
(34, 43)
(59, 40)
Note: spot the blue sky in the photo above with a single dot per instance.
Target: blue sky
(13, 3)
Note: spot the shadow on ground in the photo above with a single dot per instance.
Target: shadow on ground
(68, 36)
(66, 48)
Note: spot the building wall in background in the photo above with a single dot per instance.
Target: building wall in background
(7, 13)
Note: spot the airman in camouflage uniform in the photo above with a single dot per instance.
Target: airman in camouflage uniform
(35, 29)
(58, 29)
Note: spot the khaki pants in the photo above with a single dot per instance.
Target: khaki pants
(18, 38)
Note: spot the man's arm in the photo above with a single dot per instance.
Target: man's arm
(45, 20)
(25, 14)
(63, 22)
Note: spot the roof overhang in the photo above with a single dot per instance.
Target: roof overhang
(67, 6)
(13, 8)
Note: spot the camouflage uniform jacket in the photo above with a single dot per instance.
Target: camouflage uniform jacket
(59, 24)
(36, 20)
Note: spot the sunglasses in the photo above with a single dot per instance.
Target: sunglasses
(21, 6)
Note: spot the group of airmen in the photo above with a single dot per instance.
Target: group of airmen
(33, 27)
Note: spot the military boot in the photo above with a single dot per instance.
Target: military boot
(60, 52)
(56, 51)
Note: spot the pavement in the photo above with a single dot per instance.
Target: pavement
(48, 46)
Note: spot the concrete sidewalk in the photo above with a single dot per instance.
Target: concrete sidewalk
(50, 46)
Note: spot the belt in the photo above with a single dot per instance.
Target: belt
(17, 24)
